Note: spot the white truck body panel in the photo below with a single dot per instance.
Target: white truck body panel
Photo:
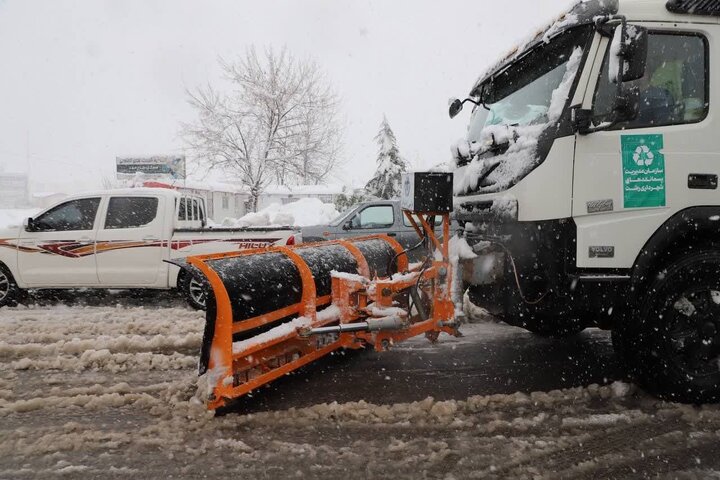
(688, 148)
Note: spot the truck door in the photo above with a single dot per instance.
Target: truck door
(58, 249)
(371, 219)
(130, 241)
(630, 178)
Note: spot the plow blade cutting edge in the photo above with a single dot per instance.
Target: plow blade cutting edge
(273, 310)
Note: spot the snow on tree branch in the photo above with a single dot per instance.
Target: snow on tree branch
(390, 165)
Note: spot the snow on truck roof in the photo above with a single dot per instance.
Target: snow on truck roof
(586, 11)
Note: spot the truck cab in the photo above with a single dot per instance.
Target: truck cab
(587, 187)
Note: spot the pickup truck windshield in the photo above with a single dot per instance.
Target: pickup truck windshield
(521, 94)
(338, 220)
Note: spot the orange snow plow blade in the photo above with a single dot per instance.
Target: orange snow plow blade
(276, 309)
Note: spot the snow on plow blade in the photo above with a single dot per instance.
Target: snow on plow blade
(275, 309)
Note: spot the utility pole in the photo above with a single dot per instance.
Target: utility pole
(28, 164)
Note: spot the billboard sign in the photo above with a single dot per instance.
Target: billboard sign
(160, 167)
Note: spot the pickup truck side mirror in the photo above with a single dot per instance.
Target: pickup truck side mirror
(347, 225)
(29, 224)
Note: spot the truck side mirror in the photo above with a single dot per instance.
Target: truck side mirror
(29, 225)
(347, 225)
(629, 50)
(456, 107)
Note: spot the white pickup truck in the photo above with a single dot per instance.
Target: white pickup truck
(119, 239)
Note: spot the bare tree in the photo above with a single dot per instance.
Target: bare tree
(277, 123)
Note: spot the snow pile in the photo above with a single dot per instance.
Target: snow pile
(88, 424)
(501, 170)
(353, 277)
(13, 217)
(459, 250)
(302, 213)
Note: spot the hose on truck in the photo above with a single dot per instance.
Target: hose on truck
(493, 241)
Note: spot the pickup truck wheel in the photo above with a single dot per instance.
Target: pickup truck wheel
(195, 291)
(10, 293)
(678, 337)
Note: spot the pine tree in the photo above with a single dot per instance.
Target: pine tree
(386, 181)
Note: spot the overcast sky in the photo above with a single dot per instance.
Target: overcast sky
(82, 82)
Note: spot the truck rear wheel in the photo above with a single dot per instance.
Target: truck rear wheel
(10, 293)
(677, 340)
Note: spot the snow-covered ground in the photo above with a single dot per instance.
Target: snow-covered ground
(109, 391)
(15, 216)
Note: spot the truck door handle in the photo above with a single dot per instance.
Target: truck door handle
(705, 181)
(392, 234)
(149, 239)
(85, 240)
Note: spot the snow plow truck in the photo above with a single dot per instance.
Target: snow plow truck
(586, 194)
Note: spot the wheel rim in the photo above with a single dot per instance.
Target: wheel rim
(693, 332)
(198, 292)
(4, 286)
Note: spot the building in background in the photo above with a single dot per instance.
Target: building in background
(14, 192)
(284, 194)
(168, 171)
(44, 200)
(222, 200)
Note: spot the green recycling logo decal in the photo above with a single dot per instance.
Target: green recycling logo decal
(643, 171)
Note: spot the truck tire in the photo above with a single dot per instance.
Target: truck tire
(677, 339)
(195, 290)
(10, 293)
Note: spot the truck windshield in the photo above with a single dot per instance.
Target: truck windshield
(521, 94)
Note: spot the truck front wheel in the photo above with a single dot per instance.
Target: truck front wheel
(677, 340)
(10, 293)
